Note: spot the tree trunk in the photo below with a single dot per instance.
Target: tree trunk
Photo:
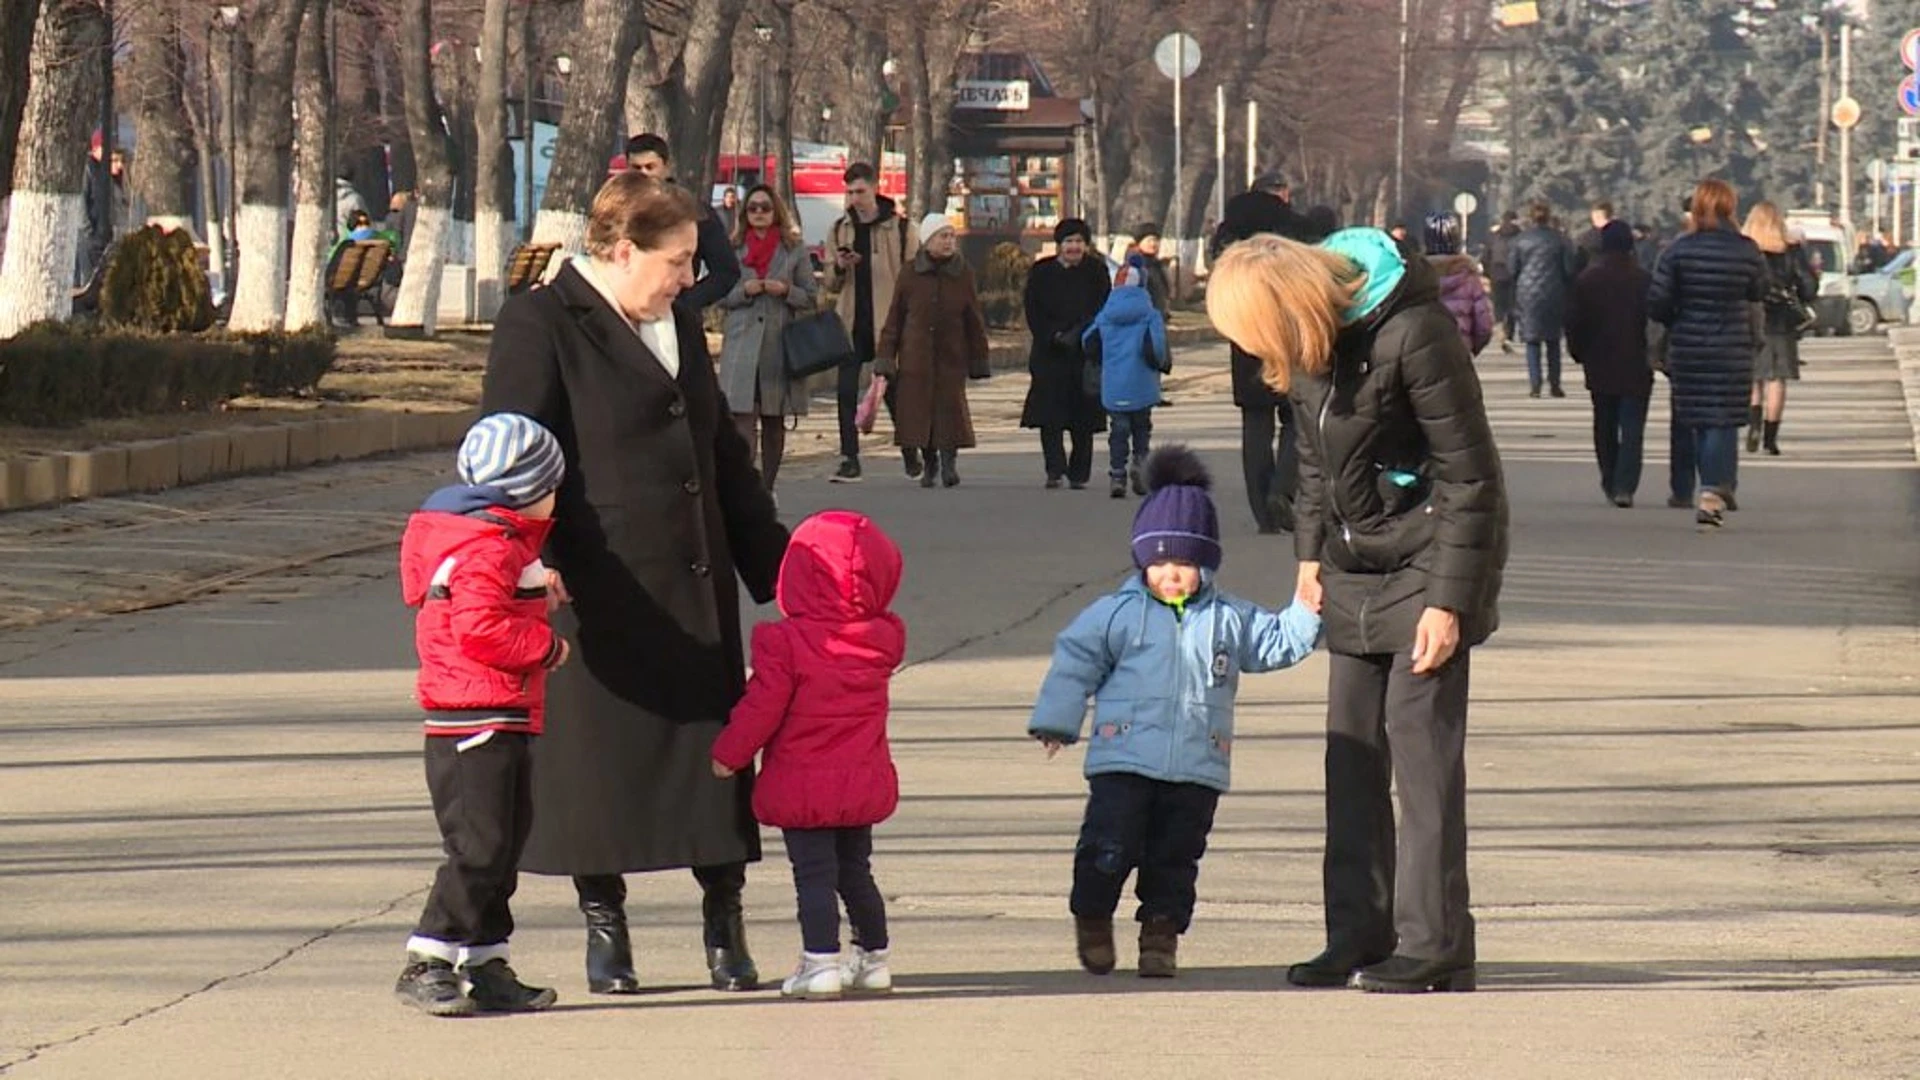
(779, 100)
(684, 95)
(860, 109)
(17, 21)
(45, 204)
(314, 208)
(165, 158)
(493, 169)
(260, 301)
(415, 309)
(596, 95)
(920, 148)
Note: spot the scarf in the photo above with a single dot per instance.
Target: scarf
(761, 246)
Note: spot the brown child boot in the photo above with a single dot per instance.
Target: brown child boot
(1159, 941)
(1094, 938)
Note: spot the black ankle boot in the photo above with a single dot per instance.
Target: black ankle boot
(609, 952)
(949, 468)
(728, 962)
(1753, 428)
(1771, 438)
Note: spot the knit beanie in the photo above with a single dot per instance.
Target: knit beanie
(1177, 519)
(932, 225)
(1072, 226)
(1616, 236)
(513, 454)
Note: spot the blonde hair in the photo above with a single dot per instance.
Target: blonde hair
(1282, 302)
(1766, 227)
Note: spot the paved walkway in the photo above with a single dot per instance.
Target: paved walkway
(1694, 781)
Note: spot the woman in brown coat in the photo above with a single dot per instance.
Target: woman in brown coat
(934, 341)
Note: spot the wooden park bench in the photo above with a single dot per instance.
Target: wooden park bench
(527, 266)
(355, 279)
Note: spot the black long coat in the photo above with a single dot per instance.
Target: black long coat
(1705, 291)
(660, 508)
(1542, 265)
(1062, 298)
(1607, 326)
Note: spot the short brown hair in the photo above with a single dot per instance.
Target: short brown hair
(634, 206)
(1283, 302)
(1713, 204)
(858, 171)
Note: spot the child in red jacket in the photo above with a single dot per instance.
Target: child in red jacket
(470, 562)
(817, 706)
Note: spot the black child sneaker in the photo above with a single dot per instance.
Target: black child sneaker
(496, 989)
(848, 473)
(430, 985)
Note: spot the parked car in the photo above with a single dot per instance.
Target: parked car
(1879, 296)
(1847, 303)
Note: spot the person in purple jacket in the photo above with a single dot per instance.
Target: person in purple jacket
(1461, 289)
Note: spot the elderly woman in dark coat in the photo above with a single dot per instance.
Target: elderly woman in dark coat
(1541, 260)
(1607, 334)
(1401, 537)
(1064, 293)
(1705, 292)
(934, 341)
(660, 509)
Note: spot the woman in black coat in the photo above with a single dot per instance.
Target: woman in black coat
(1542, 266)
(1792, 287)
(660, 509)
(1402, 539)
(1064, 293)
(1705, 292)
(1607, 334)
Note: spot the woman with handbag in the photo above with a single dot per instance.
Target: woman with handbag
(776, 283)
(1064, 294)
(1791, 288)
(934, 341)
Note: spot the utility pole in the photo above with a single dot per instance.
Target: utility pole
(1826, 110)
(1399, 208)
(1846, 134)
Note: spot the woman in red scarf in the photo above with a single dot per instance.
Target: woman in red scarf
(776, 283)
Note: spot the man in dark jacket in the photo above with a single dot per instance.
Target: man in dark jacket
(1268, 455)
(1587, 246)
(716, 267)
(1607, 335)
(1542, 265)
(1498, 259)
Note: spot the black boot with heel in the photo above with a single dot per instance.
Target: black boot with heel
(609, 951)
(725, 930)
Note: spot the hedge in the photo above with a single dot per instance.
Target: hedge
(58, 374)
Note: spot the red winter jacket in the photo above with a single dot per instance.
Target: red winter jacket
(473, 570)
(817, 702)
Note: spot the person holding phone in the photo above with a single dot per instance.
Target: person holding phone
(872, 246)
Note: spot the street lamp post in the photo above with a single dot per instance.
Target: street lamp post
(230, 21)
(764, 33)
(530, 71)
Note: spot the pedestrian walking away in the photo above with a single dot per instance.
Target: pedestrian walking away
(1607, 337)
(1499, 263)
(1160, 754)
(1402, 542)
(776, 285)
(1542, 265)
(870, 248)
(1460, 288)
(934, 342)
(470, 567)
(1707, 291)
(660, 511)
(816, 713)
(1127, 343)
(1064, 292)
(1791, 287)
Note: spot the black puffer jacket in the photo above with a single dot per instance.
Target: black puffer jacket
(1704, 291)
(1402, 498)
(1542, 265)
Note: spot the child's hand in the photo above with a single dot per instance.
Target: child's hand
(1052, 744)
(722, 771)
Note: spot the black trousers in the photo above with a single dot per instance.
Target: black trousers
(1270, 457)
(1076, 466)
(847, 390)
(1156, 826)
(721, 885)
(1619, 438)
(483, 801)
(1387, 726)
(831, 865)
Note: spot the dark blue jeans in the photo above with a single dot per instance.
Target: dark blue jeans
(831, 865)
(1128, 436)
(1156, 826)
(1553, 362)
(1717, 452)
(1619, 431)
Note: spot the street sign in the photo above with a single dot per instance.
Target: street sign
(1910, 50)
(1910, 95)
(1846, 111)
(1170, 52)
(1465, 204)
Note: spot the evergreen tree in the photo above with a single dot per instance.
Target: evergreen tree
(1783, 112)
(1574, 142)
(1691, 83)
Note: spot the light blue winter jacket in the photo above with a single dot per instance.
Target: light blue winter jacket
(1132, 336)
(1163, 686)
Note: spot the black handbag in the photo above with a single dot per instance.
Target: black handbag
(1092, 366)
(815, 343)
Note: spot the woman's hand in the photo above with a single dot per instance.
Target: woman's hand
(754, 286)
(1308, 589)
(1435, 640)
(775, 288)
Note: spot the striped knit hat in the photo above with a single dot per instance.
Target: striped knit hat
(514, 454)
(1177, 520)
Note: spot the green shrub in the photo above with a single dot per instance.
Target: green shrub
(56, 374)
(154, 282)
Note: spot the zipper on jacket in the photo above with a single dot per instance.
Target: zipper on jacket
(1326, 458)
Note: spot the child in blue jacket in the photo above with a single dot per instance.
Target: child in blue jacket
(1161, 658)
(1130, 338)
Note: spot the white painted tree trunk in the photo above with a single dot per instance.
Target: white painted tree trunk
(492, 243)
(419, 301)
(562, 227)
(306, 287)
(260, 301)
(43, 231)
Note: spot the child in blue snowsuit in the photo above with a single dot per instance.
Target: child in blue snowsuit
(1130, 339)
(1161, 658)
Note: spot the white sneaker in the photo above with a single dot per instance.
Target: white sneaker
(818, 976)
(866, 972)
